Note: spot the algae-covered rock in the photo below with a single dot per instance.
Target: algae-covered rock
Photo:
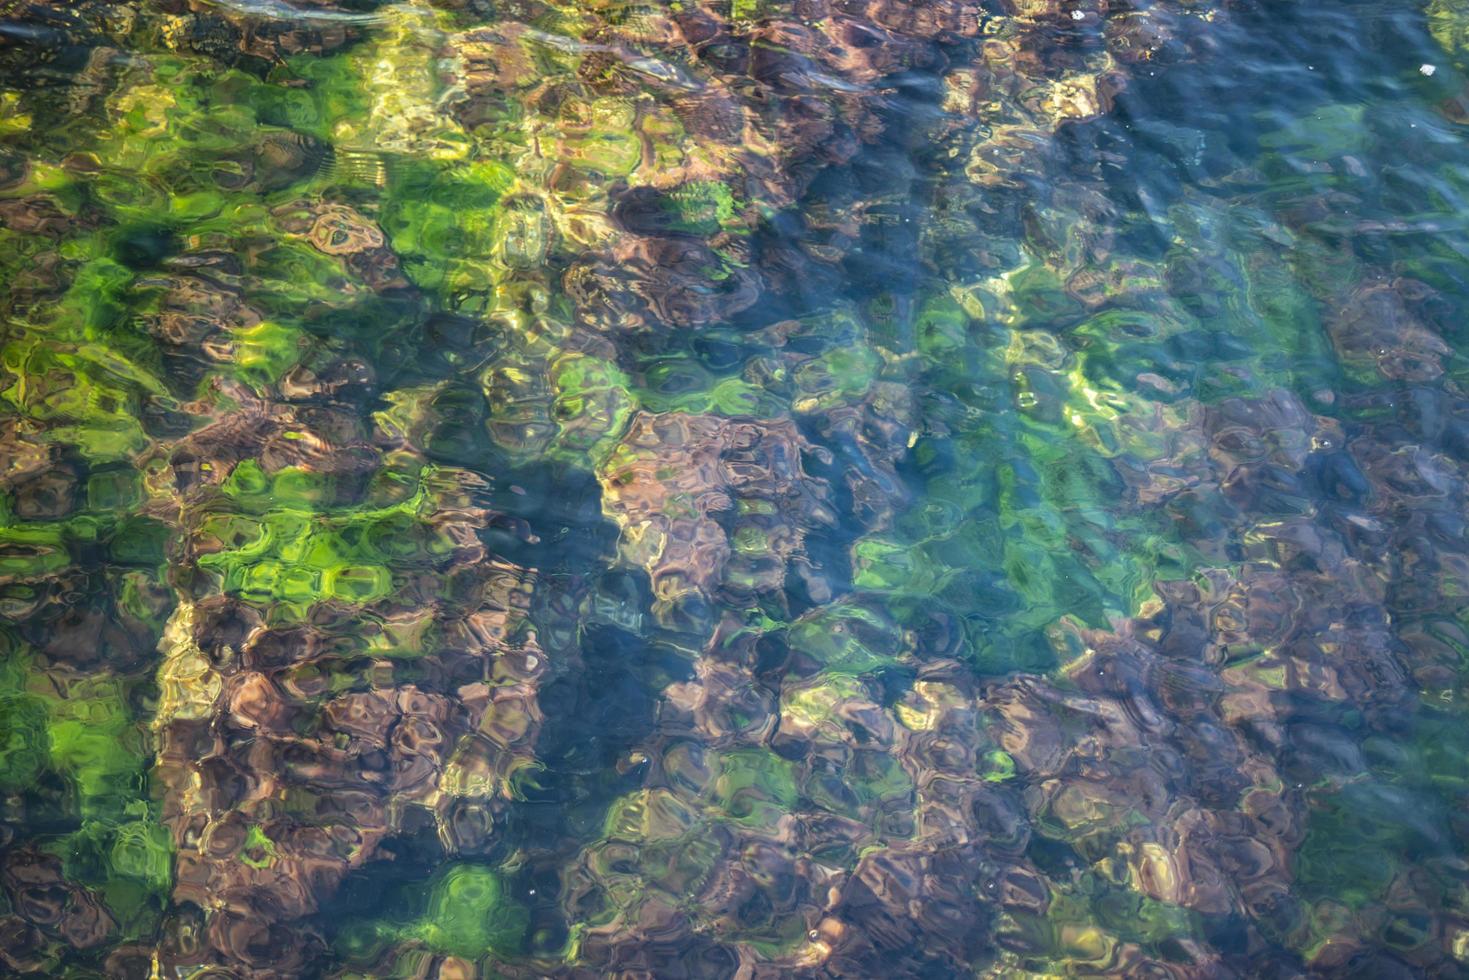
(576, 414)
(443, 223)
(468, 914)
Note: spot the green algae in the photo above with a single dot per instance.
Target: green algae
(468, 914)
(591, 404)
(754, 787)
(850, 638)
(443, 222)
(26, 751)
(258, 850)
(83, 730)
(464, 912)
(282, 547)
(575, 414)
(701, 207)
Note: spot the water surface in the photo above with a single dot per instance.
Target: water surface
(734, 488)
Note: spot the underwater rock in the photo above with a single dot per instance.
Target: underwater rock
(364, 671)
(652, 283)
(1376, 326)
(895, 897)
(40, 895)
(711, 505)
(341, 231)
(36, 215)
(259, 37)
(293, 786)
(193, 309)
(851, 389)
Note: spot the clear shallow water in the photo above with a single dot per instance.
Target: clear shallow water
(733, 490)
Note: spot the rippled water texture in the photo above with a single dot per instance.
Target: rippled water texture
(734, 488)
